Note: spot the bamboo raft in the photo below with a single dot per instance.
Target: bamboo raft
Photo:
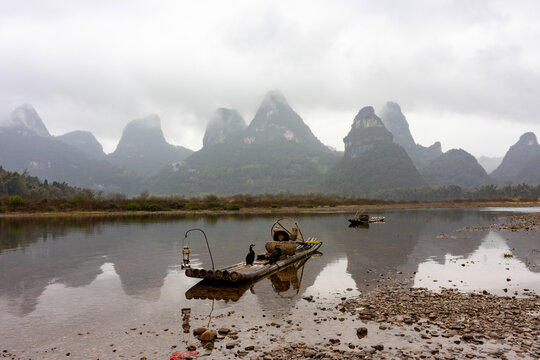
(281, 280)
(241, 272)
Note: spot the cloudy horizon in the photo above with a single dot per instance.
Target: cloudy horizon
(464, 73)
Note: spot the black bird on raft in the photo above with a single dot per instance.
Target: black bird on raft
(250, 257)
(275, 255)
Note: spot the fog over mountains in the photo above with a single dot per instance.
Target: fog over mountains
(275, 152)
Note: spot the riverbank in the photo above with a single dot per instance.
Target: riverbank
(369, 208)
(445, 325)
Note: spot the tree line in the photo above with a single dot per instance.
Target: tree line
(22, 192)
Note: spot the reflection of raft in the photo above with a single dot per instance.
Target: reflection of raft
(209, 289)
(281, 281)
(242, 272)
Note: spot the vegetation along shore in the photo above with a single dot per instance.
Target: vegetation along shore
(24, 195)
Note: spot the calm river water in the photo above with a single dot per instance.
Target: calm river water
(105, 288)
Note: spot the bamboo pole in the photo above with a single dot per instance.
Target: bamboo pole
(226, 275)
(218, 274)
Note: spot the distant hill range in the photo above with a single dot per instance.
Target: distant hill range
(275, 152)
(25, 144)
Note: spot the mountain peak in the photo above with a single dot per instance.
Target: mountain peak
(366, 131)
(366, 118)
(275, 96)
(527, 139)
(142, 131)
(394, 120)
(517, 159)
(25, 116)
(85, 141)
(276, 122)
(143, 147)
(224, 126)
(455, 167)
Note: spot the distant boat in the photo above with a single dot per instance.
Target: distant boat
(362, 218)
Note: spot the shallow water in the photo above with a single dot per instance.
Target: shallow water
(94, 287)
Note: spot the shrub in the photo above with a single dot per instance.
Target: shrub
(191, 206)
(213, 205)
(178, 205)
(275, 206)
(306, 205)
(151, 207)
(232, 207)
(66, 205)
(15, 201)
(132, 206)
(111, 206)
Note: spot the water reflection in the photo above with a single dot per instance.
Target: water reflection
(53, 258)
(282, 281)
(333, 278)
(490, 267)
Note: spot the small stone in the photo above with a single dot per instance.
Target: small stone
(361, 332)
(199, 331)
(224, 330)
(208, 335)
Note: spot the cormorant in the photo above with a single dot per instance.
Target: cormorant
(250, 257)
(275, 255)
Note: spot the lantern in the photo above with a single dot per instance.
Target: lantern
(185, 256)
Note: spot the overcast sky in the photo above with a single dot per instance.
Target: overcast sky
(466, 73)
